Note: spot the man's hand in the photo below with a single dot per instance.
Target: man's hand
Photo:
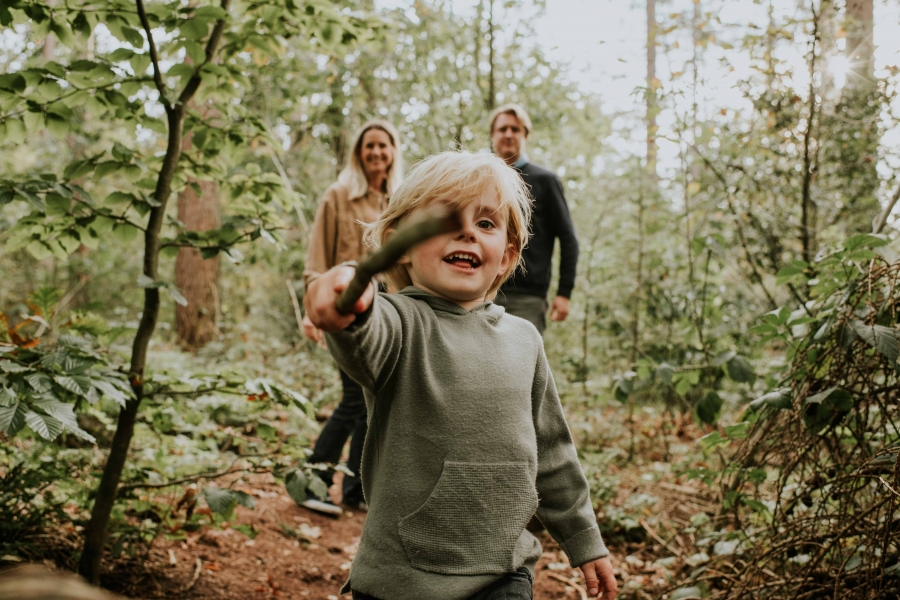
(600, 579)
(560, 309)
(311, 331)
(323, 293)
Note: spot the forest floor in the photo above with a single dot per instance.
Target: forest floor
(280, 550)
(294, 553)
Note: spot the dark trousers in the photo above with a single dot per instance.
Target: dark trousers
(348, 418)
(512, 586)
(530, 308)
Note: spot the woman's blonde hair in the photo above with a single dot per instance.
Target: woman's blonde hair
(457, 179)
(353, 175)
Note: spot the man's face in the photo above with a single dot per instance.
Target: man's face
(508, 137)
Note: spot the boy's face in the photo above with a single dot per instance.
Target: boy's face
(462, 266)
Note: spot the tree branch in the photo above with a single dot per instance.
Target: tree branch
(211, 46)
(154, 56)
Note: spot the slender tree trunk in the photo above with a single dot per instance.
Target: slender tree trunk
(807, 207)
(196, 277)
(860, 42)
(95, 533)
(652, 87)
(491, 97)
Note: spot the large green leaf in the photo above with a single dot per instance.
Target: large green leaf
(12, 418)
(223, 501)
(883, 339)
(709, 407)
(739, 369)
(779, 398)
(295, 482)
(45, 426)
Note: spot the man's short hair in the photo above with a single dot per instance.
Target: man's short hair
(515, 110)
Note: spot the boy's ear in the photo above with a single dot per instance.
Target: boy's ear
(507, 258)
(403, 260)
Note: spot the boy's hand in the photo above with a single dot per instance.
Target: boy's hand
(600, 579)
(323, 293)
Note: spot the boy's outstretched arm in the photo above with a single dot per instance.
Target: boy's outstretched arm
(322, 294)
(598, 574)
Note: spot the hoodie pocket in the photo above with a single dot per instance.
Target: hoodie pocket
(473, 521)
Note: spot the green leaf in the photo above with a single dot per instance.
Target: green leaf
(295, 482)
(133, 37)
(43, 425)
(194, 29)
(740, 370)
(317, 487)
(708, 408)
(8, 366)
(12, 418)
(864, 240)
(15, 130)
(176, 295)
(76, 384)
(779, 398)
(826, 408)
(109, 390)
(883, 339)
(219, 501)
(124, 232)
(665, 372)
(39, 382)
(723, 358)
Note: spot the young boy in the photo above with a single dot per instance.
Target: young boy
(467, 437)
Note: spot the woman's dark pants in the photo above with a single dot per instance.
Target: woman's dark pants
(348, 418)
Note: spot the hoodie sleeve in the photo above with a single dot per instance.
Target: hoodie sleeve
(369, 349)
(565, 504)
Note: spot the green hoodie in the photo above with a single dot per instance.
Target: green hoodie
(466, 440)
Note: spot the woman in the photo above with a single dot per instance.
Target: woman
(374, 170)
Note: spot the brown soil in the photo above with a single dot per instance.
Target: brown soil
(275, 564)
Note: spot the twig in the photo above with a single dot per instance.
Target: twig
(577, 587)
(196, 477)
(407, 236)
(197, 568)
(888, 486)
(881, 220)
(154, 56)
(297, 313)
(656, 537)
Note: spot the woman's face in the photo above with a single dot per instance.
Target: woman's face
(377, 152)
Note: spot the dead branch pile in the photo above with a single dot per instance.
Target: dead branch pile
(832, 437)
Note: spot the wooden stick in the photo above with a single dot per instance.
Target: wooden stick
(656, 537)
(415, 232)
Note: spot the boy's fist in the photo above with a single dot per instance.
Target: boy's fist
(598, 574)
(323, 293)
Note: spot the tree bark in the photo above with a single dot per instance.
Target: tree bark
(652, 86)
(492, 94)
(196, 277)
(860, 43)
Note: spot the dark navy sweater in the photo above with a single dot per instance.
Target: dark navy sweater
(550, 220)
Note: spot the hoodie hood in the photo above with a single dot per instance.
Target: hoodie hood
(488, 310)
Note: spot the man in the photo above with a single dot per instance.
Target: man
(525, 294)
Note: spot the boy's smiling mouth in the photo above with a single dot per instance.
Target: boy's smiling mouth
(463, 260)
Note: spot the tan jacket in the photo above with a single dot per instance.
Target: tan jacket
(337, 233)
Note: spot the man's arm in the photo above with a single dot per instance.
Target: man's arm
(564, 229)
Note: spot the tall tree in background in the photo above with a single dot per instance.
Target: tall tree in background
(652, 87)
(197, 277)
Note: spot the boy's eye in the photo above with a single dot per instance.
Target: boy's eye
(485, 224)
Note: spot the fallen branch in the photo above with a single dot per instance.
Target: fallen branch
(407, 236)
(656, 537)
(297, 313)
(570, 582)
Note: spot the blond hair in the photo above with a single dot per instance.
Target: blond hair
(515, 110)
(353, 175)
(457, 179)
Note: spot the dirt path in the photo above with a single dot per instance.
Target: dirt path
(295, 554)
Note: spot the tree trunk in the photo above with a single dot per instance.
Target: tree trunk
(196, 277)
(652, 87)
(860, 45)
(95, 532)
(492, 94)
